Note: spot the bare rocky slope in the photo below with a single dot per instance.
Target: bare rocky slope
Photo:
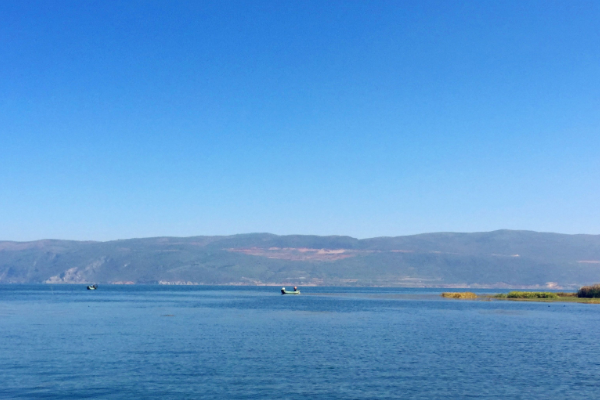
(491, 259)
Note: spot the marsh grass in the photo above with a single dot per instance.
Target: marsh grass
(566, 294)
(544, 297)
(532, 295)
(459, 295)
(585, 295)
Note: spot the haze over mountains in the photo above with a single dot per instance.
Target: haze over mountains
(501, 258)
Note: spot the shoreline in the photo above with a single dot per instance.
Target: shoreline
(539, 297)
(583, 300)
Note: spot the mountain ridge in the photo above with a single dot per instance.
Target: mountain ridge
(501, 258)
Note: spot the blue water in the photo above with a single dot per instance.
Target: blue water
(124, 342)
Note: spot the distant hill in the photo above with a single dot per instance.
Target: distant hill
(492, 259)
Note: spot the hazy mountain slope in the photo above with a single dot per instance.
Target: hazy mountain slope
(499, 258)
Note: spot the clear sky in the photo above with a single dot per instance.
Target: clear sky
(362, 118)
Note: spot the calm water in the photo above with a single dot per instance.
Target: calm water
(252, 343)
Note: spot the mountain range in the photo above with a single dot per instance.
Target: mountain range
(501, 259)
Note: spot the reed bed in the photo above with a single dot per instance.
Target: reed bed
(584, 295)
(566, 294)
(459, 295)
(532, 295)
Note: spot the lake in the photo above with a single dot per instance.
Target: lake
(190, 342)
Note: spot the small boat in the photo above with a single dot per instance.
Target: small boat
(295, 291)
(92, 287)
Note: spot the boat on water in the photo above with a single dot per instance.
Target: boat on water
(92, 287)
(295, 291)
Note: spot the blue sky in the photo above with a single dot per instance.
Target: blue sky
(361, 118)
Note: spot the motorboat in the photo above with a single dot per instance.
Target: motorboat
(295, 291)
(92, 287)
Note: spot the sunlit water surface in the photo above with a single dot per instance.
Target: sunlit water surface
(124, 342)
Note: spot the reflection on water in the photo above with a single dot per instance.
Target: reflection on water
(328, 343)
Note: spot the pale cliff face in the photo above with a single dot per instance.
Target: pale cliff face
(300, 253)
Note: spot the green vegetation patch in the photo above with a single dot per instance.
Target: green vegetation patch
(532, 295)
(459, 295)
(592, 291)
(551, 296)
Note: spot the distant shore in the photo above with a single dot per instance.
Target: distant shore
(560, 299)
(544, 297)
